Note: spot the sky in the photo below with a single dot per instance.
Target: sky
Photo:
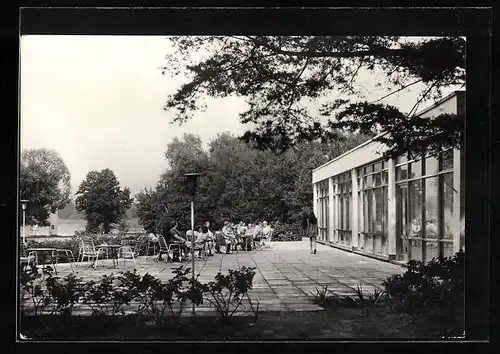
(98, 101)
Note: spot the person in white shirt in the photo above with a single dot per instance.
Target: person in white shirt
(229, 236)
(266, 232)
(210, 239)
(200, 239)
(249, 232)
(241, 228)
(257, 235)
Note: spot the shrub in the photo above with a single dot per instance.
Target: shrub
(44, 257)
(363, 300)
(178, 290)
(155, 297)
(359, 300)
(287, 232)
(322, 298)
(31, 281)
(227, 291)
(107, 297)
(65, 293)
(435, 286)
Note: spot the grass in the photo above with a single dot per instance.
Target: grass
(340, 323)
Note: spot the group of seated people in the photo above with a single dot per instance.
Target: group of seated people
(232, 235)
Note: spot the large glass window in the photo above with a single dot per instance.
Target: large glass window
(373, 232)
(431, 218)
(323, 208)
(343, 200)
(448, 213)
(425, 207)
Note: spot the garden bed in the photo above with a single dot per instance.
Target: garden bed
(332, 323)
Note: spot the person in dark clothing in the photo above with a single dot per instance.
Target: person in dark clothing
(310, 227)
(172, 236)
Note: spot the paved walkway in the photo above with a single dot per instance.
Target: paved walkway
(286, 273)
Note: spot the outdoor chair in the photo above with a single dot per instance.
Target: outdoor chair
(198, 247)
(127, 253)
(268, 238)
(30, 259)
(127, 242)
(169, 249)
(238, 243)
(88, 250)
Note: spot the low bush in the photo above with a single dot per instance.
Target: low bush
(323, 298)
(437, 286)
(155, 297)
(287, 232)
(360, 299)
(65, 293)
(226, 293)
(32, 281)
(44, 258)
(112, 293)
(108, 296)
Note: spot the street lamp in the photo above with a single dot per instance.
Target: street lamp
(24, 204)
(191, 182)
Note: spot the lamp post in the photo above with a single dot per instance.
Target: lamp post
(24, 204)
(191, 182)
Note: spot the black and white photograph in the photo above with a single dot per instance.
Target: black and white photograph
(241, 187)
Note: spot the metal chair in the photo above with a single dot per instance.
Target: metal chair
(169, 249)
(270, 237)
(126, 253)
(198, 247)
(29, 260)
(88, 250)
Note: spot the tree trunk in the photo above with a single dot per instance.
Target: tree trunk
(106, 226)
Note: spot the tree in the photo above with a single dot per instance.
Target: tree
(238, 182)
(280, 75)
(44, 181)
(102, 200)
(150, 208)
(184, 156)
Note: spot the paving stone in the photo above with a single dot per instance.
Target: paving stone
(286, 274)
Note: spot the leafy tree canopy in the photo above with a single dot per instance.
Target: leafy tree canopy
(238, 182)
(102, 200)
(279, 75)
(45, 182)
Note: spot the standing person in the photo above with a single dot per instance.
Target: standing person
(310, 226)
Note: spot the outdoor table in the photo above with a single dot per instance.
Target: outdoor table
(107, 249)
(54, 255)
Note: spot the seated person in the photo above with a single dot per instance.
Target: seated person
(173, 237)
(229, 236)
(210, 239)
(200, 239)
(241, 228)
(219, 241)
(257, 234)
(267, 232)
(234, 229)
(249, 232)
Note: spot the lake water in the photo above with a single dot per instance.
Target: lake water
(66, 227)
(66, 230)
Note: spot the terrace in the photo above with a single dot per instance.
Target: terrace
(286, 273)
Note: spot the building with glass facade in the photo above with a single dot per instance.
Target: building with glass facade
(393, 209)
